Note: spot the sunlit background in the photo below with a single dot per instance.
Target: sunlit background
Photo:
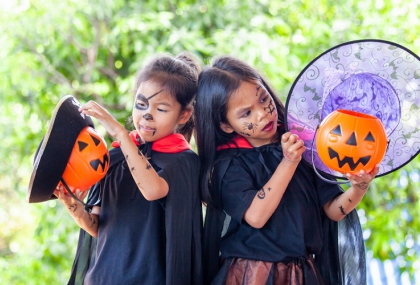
(92, 49)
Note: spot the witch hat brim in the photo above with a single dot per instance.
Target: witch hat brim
(55, 149)
(376, 77)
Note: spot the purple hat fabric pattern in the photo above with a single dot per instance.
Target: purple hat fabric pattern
(375, 77)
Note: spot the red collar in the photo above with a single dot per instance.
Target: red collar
(173, 143)
(236, 142)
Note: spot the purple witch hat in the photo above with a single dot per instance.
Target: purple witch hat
(374, 77)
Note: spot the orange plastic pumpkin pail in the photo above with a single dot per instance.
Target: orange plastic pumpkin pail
(348, 141)
(88, 162)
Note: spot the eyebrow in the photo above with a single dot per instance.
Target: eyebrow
(263, 91)
(258, 93)
(163, 103)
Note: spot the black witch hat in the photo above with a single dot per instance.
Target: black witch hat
(55, 149)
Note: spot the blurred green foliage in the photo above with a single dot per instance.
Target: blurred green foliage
(92, 49)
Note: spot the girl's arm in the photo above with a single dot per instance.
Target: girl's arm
(150, 184)
(269, 196)
(85, 220)
(337, 208)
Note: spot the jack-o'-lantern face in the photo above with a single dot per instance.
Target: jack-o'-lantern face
(88, 162)
(349, 141)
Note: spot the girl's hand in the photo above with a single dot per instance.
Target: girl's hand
(363, 179)
(93, 109)
(71, 204)
(293, 147)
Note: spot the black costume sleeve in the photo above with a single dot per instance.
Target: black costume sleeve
(238, 190)
(213, 225)
(183, 217)
(351, 250)
(342, 259)
(86, 246)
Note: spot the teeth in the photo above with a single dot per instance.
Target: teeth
(144, 127)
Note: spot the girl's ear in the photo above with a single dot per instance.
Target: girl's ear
(226, 128)
(185, 116)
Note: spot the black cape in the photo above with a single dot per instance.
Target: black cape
(176, 258)
(341, 260)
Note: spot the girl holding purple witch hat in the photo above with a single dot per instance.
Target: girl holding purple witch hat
(270, 219)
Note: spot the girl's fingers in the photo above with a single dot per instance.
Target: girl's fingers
(91, 108)
(285, 137)
(293, 146)
(83, 195)
(363, 177)
(375, 170)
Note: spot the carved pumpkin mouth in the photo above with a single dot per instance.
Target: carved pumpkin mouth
(347, 159)
(102, 162)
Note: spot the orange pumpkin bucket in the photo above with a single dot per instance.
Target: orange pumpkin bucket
(88, 162)
(349, 141)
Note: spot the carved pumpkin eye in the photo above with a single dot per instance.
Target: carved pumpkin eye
(340, 146)
(370, 137)
(337, 130)
(88, 162)
(81, 145)
(352, 139)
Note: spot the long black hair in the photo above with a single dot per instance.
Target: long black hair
(179, 76)
(216, 84)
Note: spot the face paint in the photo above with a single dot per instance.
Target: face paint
(271, 108)
(144, 100)
(258, 90)
(148, 117)
(249, 126)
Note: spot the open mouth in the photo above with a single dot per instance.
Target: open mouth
(349, 160)
(146, 129)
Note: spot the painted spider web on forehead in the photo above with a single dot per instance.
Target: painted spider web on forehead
(375, 77)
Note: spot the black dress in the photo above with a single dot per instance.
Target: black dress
(143, 242)
(297, 230)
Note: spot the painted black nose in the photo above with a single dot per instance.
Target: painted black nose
(147, 117)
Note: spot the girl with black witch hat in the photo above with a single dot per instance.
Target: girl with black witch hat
(147, 214)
